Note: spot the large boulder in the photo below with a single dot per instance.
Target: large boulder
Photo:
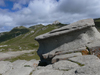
(75, 36)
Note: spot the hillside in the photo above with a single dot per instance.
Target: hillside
(22, 38)
(97, 22)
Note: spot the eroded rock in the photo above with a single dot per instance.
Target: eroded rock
(72, 37)
(65, 56)
(65, 65)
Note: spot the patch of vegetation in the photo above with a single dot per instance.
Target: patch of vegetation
(26, 56)
(97, 23)
(76, 62)
(31, 72)
(65, 69)
(27, 66)
(88, 50)
(13, 33)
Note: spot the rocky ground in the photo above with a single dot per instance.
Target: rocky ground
(76, 64)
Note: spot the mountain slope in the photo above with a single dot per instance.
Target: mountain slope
(13, 33)
(97, 22)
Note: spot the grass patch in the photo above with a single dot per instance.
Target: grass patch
(26, 56)
(76, 62)
(27, 66)
(65, 69)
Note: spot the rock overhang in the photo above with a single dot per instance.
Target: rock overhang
(79, 25)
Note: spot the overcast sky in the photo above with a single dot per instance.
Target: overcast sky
(31, 12)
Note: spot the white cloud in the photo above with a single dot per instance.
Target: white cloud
(16, 6)
(47, 11)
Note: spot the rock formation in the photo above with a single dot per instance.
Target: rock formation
(79, 36)
(55, 22)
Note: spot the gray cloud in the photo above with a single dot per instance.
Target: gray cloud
(47, 11)
(2, 3)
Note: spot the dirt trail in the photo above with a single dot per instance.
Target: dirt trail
(13, 54)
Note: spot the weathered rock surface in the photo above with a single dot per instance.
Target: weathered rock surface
(5, 66)
(89, 70)
(86, 59)
(65, 65)
(83, 65)
(80, 65)
(73, 37)
(19, 67)
(55, 22)
(65, 56)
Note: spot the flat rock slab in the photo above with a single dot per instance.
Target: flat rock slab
(45, 67)
(65, 56)
(19, 67)
(86, 59)
(5, 66)
(38, 72)
(20, 71)
(52, 73)
(88, 70)
(65, 65)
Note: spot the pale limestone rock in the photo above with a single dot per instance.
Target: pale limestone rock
(86, 59)
(5, 66)
(22, 67)
(65, 56)
(65, 65)
(55, 22)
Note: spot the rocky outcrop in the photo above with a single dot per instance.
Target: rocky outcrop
(74, 65)
(76, 37)
(80, 65)
(19, 67)
(55, 22)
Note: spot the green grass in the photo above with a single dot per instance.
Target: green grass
(80, 64)
(97, 23)
(26, 56)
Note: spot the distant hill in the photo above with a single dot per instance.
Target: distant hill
(13, 33)
(97, 22)
(22, 38)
